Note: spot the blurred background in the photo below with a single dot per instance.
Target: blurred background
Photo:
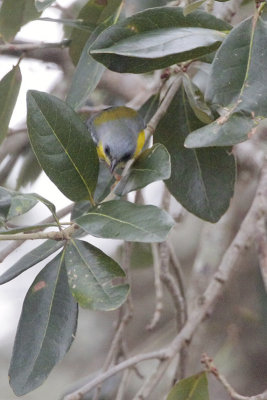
(236, 333)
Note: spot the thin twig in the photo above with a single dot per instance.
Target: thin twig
(158, 289)
(25, 47)
(210, 367)
(123, 384)
(13, 246)
(163, 108)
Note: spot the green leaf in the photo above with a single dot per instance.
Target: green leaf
(46, 329)
(29, 170)
(30, 259)
(62, 145)
(92, 277)
(152, 165)
(43, 4)
(149, 108)
(237, 85)
(15, 14)
(196, 101)
(86, 76)
(13, 204)
(104, 183)
(157, 38)
(190, 7)
(92, 14)
(20, 204)
(9, 90)
(118, 219)
(201, 180)
(193, 388)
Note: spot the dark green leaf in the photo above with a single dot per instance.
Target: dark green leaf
(43, 4)
(29, 170)
(104, 183)
(15, 14)
(92, 277)
(118, 219)
(30, 259)
(157, 38)
(152, 165)
(193, 388)
(103, 188)
(9, 90)
(237, 85)
(86, 76)
(46, 329)
(190, 7)
(196, 101)
(20, 204)
(80, 208)
(149, 108)
(13, 204)
(62, 145)
(92, 14)
(201, 180)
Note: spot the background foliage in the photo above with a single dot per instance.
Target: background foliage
(197, 74)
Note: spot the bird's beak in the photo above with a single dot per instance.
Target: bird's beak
(113, 165)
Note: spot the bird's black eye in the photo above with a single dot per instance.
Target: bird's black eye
(126, 157)
(107, 150)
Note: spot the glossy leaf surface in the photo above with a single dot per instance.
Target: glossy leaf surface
(9, 90)
(202, 180)
(62, 145)
(157, 38)
(193, 388)
(46, 329)
(152, 165)
(118, 219)
(237, 85)
(92, 276)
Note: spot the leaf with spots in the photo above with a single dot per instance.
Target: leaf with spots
(94, 278)
(62, 145)
(46, 328)
(119, 219)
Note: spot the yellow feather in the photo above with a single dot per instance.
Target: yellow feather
(101, 153)
(140, 143)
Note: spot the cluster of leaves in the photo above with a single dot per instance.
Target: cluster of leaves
(191, 153)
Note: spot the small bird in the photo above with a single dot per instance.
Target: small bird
(119, 135)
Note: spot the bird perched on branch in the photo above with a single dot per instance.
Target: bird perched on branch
(118, 133)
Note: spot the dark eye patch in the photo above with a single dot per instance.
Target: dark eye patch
(107, 150)
(126, 157)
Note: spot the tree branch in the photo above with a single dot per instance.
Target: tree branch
(210, 366)
(242, 241)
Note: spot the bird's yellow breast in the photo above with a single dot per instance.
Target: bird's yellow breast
(140, 143)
